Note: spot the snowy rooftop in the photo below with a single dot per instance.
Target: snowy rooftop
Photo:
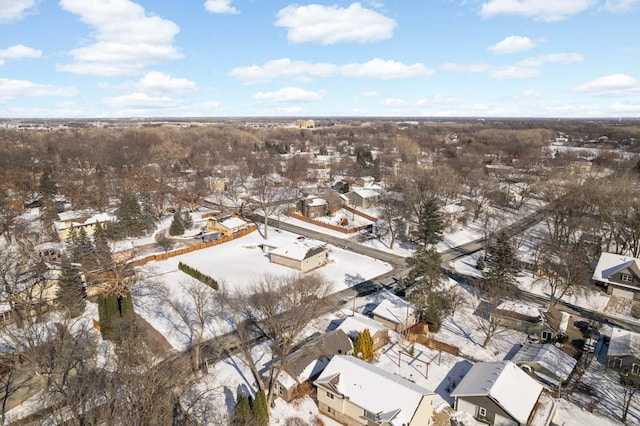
(610, 264)
(548, 357)
(394, 309)
(510, 387)
(232, 222)
(358, 323)
(624, 342)
(300, 249)
(519, 308)
(96, 218)
(374, 389)
(366, 193)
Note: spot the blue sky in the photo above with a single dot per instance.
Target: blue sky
(226, 58)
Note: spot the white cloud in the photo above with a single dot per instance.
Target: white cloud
(220, 6)
(127, 39)
(385, 70)
(11, 89)
(369, 94)
(626, 108)
(156, 81)
(610, 86)
(14, 10)
(332, 24)
(283, 68)
(515, 72)
(540, 10)
(512, 44)
(19, 51)
(621, 5)
(290, 94)
(305, 71)
(142, 100)
(466, 68)
(559, 58)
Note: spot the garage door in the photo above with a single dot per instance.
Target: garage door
(622, 293)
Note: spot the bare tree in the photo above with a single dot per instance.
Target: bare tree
(630, 387)
(279, 307)
(391, 212)
(566, 270)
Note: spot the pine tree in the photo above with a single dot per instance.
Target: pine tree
(102, 251)
(176, 228)
(363, 346)
(501, 264)
(242, 415)
(129, 216)
(430, 224)
(187, 220)
(70, 294)
(259, 410)
(149, 215)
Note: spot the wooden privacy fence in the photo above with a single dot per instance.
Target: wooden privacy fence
(178, 252)
(342, 229)
(434, 344)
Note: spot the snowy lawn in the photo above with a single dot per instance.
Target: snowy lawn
(235, 265)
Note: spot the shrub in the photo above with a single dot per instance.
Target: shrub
(198, 275)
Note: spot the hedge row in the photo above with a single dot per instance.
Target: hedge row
(198, 275)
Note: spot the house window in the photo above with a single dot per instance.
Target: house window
(635, 369)
(482, 412)
(626, 278)
(369, 415)
(330, 395)
(615, 362)
(546, 335)
(331, 411)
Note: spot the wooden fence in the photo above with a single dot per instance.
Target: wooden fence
(434, 344)
(178, 252)
(298, 216)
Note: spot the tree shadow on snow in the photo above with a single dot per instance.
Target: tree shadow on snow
(449, 383)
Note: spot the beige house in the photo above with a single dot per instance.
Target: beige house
(395, 313)
(354, 393)
(227, 225)
(79, 220)
(303, 254)
(619, 275)
(358, 323)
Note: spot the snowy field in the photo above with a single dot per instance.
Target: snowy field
(235, 265)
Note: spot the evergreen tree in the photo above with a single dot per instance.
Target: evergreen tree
(116, 315)
(84, 253)
(70, 294)
(102, 251)
(259, 410)
(71, 243)
(363, 346)
(501, 264)
(149, 215)
(242, 415)
(430, 224)
(177, 227)
(129, 216)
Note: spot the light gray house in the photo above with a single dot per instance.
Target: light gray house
(619, 275)
(624, 351)
(550, 364)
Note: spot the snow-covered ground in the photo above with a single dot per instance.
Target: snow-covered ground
(235, 264)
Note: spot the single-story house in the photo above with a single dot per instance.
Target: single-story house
(227, 225)
(549, 363)
(395, 313)
(364, 198)
(619, 275)
(524, 318)
(354, 392)
(358, 323)
(302, 254)
(309, 360)
(498, 393)
(624, 351)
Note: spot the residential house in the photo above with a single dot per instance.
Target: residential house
(498, 393)
(549, 363)
(363, 198)
(312, 206)
(624, 351)
(309, 360)
(619, 275)
(524, 318)
(354, 392)
(365, 180)
(358, 323)
(79, 220)
(302, 254)
(395, 313)
(227, 225)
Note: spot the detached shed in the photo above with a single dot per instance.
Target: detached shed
(302, 254)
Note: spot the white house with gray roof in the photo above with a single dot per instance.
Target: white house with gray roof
(354, 392)
(302, 254)
(498, 393)
(619, 275)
